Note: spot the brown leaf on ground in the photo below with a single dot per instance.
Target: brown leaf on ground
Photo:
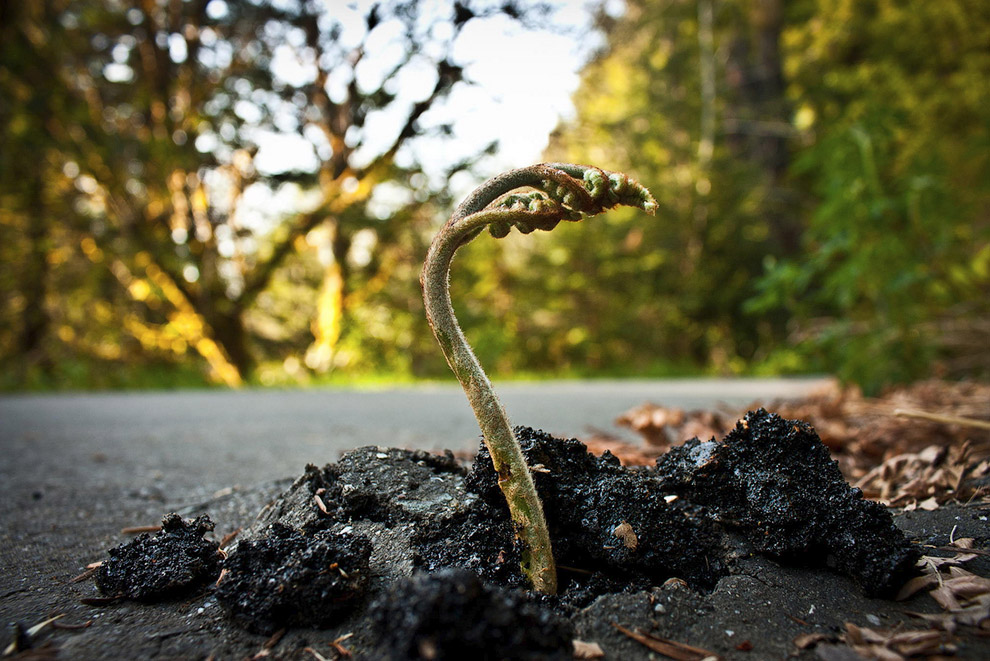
(662, 426)
(963, 595)
(915, 585)
(630, 454)
(907, 461)
(653, 423)
(894, 645)
(806, 640)
(585, 650)
(926, 479)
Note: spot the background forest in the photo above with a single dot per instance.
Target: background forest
(822, 169)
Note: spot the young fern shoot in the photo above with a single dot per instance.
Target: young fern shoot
(558, 191)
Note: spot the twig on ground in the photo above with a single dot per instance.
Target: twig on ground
(669, 648)
(945, 419)
(134, 530)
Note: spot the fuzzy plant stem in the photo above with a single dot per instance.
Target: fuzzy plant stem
(563, 192)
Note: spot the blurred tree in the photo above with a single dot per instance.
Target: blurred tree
(689, 97)
(823, 168)
(894, 102)
(23, 200)
(178, 177)
(157, 127)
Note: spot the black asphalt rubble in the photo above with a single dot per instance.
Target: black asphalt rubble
(418, 535)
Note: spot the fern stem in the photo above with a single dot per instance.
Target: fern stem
(568, 192)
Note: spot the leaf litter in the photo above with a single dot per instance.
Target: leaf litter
(963, 596)
(914, 446)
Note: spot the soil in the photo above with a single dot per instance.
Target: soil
(454, 614)
(750, 547)
(287, 578)
(174, 562)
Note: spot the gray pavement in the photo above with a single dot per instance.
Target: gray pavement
(235, 437)
(77, 468)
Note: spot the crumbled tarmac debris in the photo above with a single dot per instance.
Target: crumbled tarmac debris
(385, 485)
(392, 485)
(453, 614)
(171, 564)
(586, 498)
(773, 480)
(772, 483)
(699, 519)
(480, 538)
(292, 578)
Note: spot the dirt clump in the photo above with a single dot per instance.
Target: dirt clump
(480, 538)
(292, 578)
(613, 528)
(431, 545)
(173, 563)
(773, 480)
(453, 614)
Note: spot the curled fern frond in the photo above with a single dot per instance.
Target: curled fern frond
(526, 212)
(558, 191)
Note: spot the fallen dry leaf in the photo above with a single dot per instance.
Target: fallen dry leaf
(806, 640)
(963, 595)
(894, 645)
(585, 650)
(625, 532)
(656, 424)
(915, 585)
(630, 454)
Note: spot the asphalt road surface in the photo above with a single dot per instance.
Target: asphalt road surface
(215, 438)
(75, 469)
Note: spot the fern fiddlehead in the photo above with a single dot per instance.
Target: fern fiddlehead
(559, 191)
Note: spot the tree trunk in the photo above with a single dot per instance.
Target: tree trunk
(327, 324)
(761, 127)
(34, 281)
(331, 304)
(230, 333)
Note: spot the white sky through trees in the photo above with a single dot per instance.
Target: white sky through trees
(522, 82)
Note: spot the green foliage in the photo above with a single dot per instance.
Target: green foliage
(685, 277)
(72, 372)
(899, 175)
(822, 169)
(837, 221)
(874, 264)
(132, 166)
